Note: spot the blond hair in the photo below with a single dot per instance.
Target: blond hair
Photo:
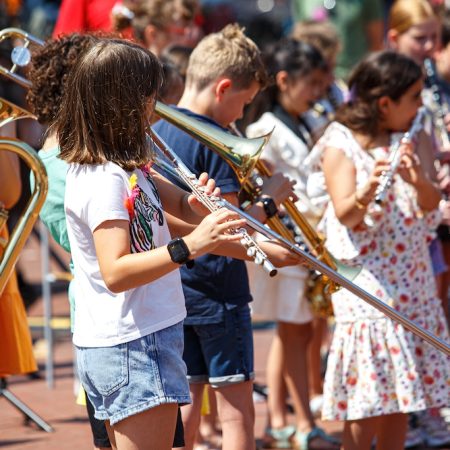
(321, 35)
(404, 14)
(228, 53)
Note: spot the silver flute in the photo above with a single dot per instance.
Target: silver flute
(395, 157)
(210, 202)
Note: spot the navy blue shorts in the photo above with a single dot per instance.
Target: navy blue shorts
(221, 353)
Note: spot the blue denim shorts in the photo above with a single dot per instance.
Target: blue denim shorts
(437, 257)
(221, 353)
(129, 378)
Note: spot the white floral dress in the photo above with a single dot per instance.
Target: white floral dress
(375, 366)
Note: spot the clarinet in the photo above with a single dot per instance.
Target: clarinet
(440, 106)
(210, 202)
(395, 157)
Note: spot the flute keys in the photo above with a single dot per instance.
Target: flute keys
(251, 251)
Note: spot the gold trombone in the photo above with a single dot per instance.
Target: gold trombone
(243, 156)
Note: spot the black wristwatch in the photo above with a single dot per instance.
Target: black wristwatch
(270, 208)
(179, 252)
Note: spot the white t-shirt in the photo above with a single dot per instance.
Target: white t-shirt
(95, 194)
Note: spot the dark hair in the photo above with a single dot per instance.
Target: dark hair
(445, 34)
(173, 84)
(105, 111)
(178, 55)
(49, 70)
(295, 57)
(385, 73)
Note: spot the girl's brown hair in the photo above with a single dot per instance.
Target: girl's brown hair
(105, 111)
(385, 73)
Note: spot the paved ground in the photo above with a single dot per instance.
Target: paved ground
(57, 405)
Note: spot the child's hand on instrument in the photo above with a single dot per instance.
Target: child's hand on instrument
(213, 230)
(208, 185)
(410, 168)
(279, 187)
(366, 194)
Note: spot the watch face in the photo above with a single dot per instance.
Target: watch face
(178, 250)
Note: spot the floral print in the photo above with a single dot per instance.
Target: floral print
(375, 365)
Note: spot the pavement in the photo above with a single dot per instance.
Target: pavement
(56, 405)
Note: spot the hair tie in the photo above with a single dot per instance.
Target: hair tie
(119, 9)
(350, 95)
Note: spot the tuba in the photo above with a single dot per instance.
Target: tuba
(10, 112)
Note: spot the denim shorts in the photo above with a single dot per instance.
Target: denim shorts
(132, 377)
(437, 257)
(220, 353)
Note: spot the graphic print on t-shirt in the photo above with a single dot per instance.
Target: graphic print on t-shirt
(146, 213)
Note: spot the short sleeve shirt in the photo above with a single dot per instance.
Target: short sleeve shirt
(96, 194)
(215, 282)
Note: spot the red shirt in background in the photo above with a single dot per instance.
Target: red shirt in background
(84, 16)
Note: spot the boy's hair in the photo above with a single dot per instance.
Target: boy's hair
(321, 35)
(105, 110)
(406, 13)
(138, 14)
(227, 53)
(49, 70)
(385, 73)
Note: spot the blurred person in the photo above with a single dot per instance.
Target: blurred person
(83, 16)
(298, 70)
(178, 55)
(157, 24)
(16, 356)
(359, 24)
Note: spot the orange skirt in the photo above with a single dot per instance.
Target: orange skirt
(16, 350)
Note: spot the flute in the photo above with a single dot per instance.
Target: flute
(395, 157)
(210, 202)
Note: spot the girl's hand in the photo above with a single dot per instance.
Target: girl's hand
(208, 185)
(213, 230)
(279, 187)
(410, 168)
(366, 194)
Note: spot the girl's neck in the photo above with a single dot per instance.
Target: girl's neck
(50, 142)
(366, 141)
(286, 105)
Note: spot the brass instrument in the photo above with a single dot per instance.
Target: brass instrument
(20, 56)
(25, 224)
(319, 287)
(210, 202)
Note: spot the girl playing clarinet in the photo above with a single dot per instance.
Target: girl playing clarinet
(377, 372)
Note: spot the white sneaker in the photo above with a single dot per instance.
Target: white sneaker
(315, 405)
(435, 431)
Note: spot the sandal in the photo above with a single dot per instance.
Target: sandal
(279, 437)
(303, 439)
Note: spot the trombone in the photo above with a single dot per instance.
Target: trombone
(212, 137)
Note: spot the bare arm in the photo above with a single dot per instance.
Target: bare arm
(122, 270)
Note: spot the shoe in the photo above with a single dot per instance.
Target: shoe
(279, 437)
(413, 433)
(315, 405)
(435, 431)
(302, 440)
